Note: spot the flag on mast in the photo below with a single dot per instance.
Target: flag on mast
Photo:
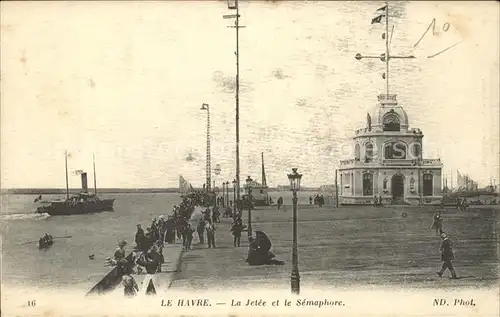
(378, 19)
(232, 4)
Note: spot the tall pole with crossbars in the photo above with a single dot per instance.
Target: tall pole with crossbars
(233, 5)
(206, 107)
(385, 57)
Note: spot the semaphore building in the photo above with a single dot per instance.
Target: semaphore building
(388, 155)
(388, 161)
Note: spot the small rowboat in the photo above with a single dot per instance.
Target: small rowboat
(45, 243)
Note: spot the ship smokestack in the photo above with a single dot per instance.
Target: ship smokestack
(85, 188)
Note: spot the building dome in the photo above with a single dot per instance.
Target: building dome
(388, 115)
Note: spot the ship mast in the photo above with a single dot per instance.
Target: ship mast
(66, 165)
(95, 179)
(264, 182)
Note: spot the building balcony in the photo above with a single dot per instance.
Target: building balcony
(388, 99)
(412, 162)
(355, 162)
(350, 162)
(392, 162)
(403, 162)
(431, 162)
(375, 130)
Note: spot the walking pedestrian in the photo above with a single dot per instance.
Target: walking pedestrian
(447, 256)
(438, 222)
(237, 228)
(210, 228)
(201, 231)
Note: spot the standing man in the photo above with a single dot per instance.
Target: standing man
(189, 237)
(119, 255)
(130, 287)
(150, 261)
(447, 256)
(139, 237)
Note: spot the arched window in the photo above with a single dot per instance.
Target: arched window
(395, 150)
(369, 152)
(428, 185)
(416, 150)
(391, 122)
(357, 152)
(367, 184)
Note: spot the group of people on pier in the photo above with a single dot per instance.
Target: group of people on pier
(318, 200)
(148, 252)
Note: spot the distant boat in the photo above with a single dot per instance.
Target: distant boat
(82, 203)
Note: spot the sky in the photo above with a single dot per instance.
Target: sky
(125, 81)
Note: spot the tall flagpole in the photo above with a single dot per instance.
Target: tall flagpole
(66, 165)
(238, 100)
(384, 57)
(387, 56)
(235, 6)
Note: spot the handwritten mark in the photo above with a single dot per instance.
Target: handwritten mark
(449, 48)
(445, 27)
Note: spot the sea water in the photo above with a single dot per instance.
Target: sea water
(67, 263)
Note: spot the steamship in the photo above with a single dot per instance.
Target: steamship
(82, 203)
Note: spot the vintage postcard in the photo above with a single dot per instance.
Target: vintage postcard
(250, 158)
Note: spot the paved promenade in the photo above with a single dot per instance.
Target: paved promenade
(362, 246)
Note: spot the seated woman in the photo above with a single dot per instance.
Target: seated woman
(258, 253)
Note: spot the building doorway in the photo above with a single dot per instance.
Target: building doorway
(398, 189)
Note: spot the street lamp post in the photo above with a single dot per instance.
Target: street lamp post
(294, 179)
(249, 194)
(206, 107)
(226, 199)
(224, 202)
(234, 197)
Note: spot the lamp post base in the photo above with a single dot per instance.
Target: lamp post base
(295, 281)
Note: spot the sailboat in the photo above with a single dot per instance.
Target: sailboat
(82, 203)
(184, 186)
(259, 195)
